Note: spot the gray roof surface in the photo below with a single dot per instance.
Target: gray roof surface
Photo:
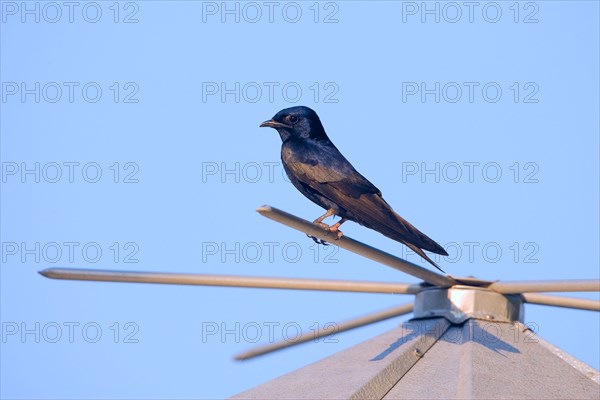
(482, 360)
(432, 359)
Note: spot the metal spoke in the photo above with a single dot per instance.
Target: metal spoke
(356, 247)
(232, 280)
(334, 329)
(580, 285)
(560, 301)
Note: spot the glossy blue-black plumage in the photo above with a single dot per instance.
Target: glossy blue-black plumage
(319, 171)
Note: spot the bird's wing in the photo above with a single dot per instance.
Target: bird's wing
(326, 165)
(333, 177)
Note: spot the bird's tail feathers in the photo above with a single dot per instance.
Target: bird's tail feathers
(422, 254)
(424, 241)
(407, 230)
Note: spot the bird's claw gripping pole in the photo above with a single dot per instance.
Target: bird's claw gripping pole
(357, 247)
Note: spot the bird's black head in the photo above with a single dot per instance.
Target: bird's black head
(297, 122)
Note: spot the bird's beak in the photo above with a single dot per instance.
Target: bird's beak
(273, 124)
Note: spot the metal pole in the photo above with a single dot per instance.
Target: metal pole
(356, 247)
(580, 285)
(231, 280)
(337, 328)
(560, 301)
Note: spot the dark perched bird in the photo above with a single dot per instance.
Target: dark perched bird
(320, 172)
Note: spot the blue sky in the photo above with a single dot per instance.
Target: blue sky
(130, 141)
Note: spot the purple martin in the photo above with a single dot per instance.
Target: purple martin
(320, 172)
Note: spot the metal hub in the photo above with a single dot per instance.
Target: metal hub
(460, 303)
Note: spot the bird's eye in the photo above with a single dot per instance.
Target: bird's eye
(293, 119)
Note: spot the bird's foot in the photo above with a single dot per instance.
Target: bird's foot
(325, 227)
(336, 231)
(335, 228)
